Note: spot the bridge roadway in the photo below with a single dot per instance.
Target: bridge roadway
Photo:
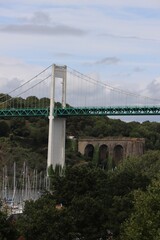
(81, 111)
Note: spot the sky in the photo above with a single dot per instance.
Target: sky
(117, 42)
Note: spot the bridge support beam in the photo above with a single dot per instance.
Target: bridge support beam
(56, 147)
(57, 126)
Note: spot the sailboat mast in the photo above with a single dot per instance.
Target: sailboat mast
(14, 181)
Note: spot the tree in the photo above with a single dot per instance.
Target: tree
(90, 217)
(79, 181)
(4, 129)
(4, 98)
(31, 101)
(42, 219)
(7, 229)
(95, 201)
(96, 155)
(83, 214)
(144, 222)
(39, 135)
(44, 102)
(18, 126)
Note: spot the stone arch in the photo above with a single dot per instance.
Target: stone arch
(89, 150)
(103, 155)
(103, 152)
(118, 153)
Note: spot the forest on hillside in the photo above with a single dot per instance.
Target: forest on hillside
(26, 139)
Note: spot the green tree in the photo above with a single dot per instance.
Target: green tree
(31, 102)
(44, 102)
(144, 222)
(42, 220)
(18, 127)
(94, 201)
(96, 155)
(17, 102)
(4, 129)
(7, 229)
(89, 216)
(79, 181)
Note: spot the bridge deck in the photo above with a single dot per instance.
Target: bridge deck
(109, 111)
(81, 111)
(24, 112)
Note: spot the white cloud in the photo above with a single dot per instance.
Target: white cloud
(153, 89)
(14, 72)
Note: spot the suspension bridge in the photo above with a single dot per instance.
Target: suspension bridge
(59, 91)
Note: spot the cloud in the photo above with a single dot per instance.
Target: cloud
(15, 72)
(138, 69)
(106, 61)
(129, 37)
(64, 55)
(42, 29)
(153, 88)
(40, 18)
(10, 84)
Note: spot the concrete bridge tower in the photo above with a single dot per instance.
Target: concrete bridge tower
(57, 126)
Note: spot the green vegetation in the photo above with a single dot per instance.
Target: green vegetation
(7, 229)
(96, 201)
(144, 220)
(88, 202)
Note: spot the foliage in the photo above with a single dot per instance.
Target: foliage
(103, 127)
(20, 151)
(108, 189)
(89, 202)
(94, 202)
(4, 129)
(42, 220)
(144, 222)
(95, 155)
(18, 127)
(7, 229)
(89, 217)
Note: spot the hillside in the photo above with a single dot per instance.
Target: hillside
(26, 139)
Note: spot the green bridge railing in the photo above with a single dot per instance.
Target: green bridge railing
(81, 111)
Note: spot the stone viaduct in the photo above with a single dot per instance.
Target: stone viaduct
(115, 148)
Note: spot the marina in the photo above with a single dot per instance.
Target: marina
(16, 189)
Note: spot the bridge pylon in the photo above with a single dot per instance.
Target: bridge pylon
(57, 126)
